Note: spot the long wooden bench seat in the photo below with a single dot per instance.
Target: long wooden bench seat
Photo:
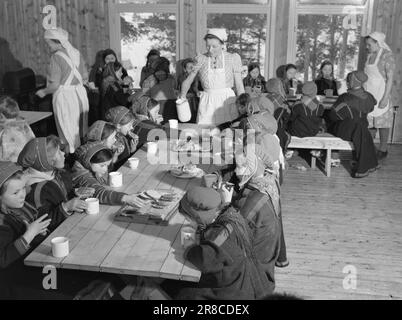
(324, 141)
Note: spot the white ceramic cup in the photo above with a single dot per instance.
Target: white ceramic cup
(133, 163)
(293, 91)
(115, 179)
(187, 236)
(174, 124)
(152, 148)
(60, 247)
(93, 206)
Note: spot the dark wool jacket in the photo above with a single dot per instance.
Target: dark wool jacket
(305, 122)
(12, 227)
(48, 197)
(228, 273)
(259, 212)
(325, 84)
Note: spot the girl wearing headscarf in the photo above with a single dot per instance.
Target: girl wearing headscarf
(326, 80)
(276, 94)
(113, 93)
(51, 189)
(348, 121)
(265, 144)
(380, 68)
(306, 117)
(219, 71)
(106, 132)
(258, 202)
(15, 132)
(91, 171)
(146, 108)
(66, 78)
(224, 254)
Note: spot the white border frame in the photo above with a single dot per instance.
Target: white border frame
(296, 9)
(203, 9)
(116, 8)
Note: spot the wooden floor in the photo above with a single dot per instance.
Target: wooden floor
(334, 222)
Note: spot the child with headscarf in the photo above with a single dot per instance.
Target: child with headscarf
(146, 108)
(306, 117)
(276, 94)
(15, 132)
(224, 254)
(51, 189)
(106, 132)
(91, 171)
(348, 121)
(148, 80)
(67, 76)
(132, 132)
(124, 121)
(22, 228)
(259, 203)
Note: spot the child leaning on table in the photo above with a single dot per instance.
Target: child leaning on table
(91, 170)
(51, 187)
(14, 131)
(22, 229)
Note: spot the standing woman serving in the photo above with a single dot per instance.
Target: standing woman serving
(380, 68)
(67, 75)
(219, 71)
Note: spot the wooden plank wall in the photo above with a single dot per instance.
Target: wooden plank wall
(21, 27)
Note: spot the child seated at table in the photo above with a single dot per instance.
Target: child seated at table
(146, 108)
(124, 121)
(306, 118)
(254, 83)
(107, 133)
(128, 126)
(51, 189)
(224, 253)
(91, 170)
(14, 131)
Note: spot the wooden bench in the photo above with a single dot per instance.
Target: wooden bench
(322, 142)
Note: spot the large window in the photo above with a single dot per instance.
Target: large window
(248, 26)
(327, 30)
(137, 26)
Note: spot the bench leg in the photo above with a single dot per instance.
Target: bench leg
(328, 163)
(313, 163)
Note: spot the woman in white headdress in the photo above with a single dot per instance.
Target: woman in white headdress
(380, 68)
(67, 75)
(219, 71)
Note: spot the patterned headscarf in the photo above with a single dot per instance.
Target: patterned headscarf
(85, 153)
(140, 105)
(262, 123)
(34, 156)
(95, 131)
(7, 169)
(116, 115)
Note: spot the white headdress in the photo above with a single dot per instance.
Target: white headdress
(62, 35)
(380, 38)
(221, 34)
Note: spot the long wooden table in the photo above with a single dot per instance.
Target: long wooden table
(98, 243)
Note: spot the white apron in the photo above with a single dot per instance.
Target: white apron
(376, 85)
(217, 105)
(70, 107)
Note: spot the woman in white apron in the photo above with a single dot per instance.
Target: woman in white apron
(219, 71)
(380, 68)
(66, 77)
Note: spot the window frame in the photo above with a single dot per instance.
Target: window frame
(203, 8)
(116, 8)
(296, 9)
